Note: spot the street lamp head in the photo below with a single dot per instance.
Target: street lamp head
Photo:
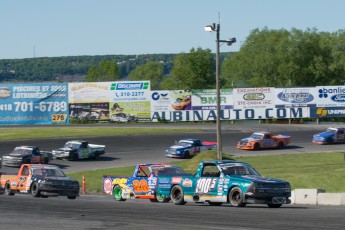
(230, 41)
(210, 28)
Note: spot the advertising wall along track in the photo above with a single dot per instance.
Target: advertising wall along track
(34, 103)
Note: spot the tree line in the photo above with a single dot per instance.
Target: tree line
(267, 58)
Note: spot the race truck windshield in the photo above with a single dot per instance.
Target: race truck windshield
(238, 169)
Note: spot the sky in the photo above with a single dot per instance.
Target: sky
(57, 28)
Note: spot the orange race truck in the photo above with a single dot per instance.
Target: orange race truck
(40, 180)
(264, 140)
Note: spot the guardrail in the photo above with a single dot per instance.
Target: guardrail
(316, 197)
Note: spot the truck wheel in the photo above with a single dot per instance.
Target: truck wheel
(280, 145)
(35, 192)
(274, 205)
(236, 197)
(75, 157)
(162, 199)
(96, 155)
(176, 195)
(257, 146)
(117, 193)
(8, 190)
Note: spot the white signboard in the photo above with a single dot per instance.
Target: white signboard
(253, 98)
(296, 97)
(206, 99)
(330, 96)
(88, 92)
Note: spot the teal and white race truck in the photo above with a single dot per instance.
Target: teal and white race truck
(227, 181)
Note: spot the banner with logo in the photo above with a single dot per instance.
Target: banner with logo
(296, 97)
(327, 112)
(253, 98)
(130, 101)
(330, 96)
(206, 99)
(42, 103)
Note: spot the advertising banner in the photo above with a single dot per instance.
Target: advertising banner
(130, 101)
(231, 114)
(296, 97)
(253, 98)
(326, 112)
(88, 92)
(171, 100)
(330, 96)
(37, 103)
(206, 99)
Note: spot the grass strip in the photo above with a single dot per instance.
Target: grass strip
(56, 132)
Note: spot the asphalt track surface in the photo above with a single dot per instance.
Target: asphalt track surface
(102, 212)
(133, 149)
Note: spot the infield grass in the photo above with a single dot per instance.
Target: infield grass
(309, 170)
(79, 131)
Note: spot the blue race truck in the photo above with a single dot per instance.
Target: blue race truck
(142, 184)
(187, 148)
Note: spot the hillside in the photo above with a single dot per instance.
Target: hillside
(74, 68)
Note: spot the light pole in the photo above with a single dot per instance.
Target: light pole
(210, 28)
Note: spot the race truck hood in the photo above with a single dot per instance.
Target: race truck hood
(179, 147)
(248, 139)
(18, 155)
(324, 134)
(257, 179)
(62, 150)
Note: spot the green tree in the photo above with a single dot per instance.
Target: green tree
(93, 74)
(194, 70)
(152, 71)
(281, 58)
(106, 71)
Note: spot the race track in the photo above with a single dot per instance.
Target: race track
(102, 212)
(132, 149)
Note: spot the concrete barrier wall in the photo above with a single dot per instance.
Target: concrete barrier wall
(316, 196)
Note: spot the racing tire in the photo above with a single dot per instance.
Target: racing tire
(46, 161)
(117, 193)
(257, 146)
(8, 190)
(75, 157)
(161, 198)
(186, 155)
(177, 195)
(280, 145)
(329, 141)
(215, 203)
(71, 197)
(274, 205)
(236, 197)
(35, 192)
(96, 155)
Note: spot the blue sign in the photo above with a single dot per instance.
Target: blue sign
(45, 103)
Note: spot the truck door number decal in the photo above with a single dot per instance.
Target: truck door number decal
(205, 185)
(21, 181)
(140, 186)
